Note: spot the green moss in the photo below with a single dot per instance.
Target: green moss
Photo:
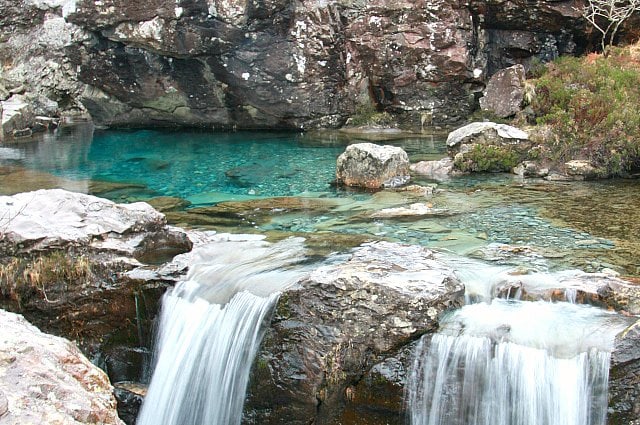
(488, 158)
(592, 106)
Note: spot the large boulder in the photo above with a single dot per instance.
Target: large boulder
(372, 166)
(488, 146)
(332, 330)
(504, 93)
(46, 380)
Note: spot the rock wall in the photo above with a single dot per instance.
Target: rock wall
(271, 63)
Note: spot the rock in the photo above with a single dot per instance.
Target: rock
(486, 133)
(504, 92)
(581, 169)
(338, 323)
(417, 210)
(17, 115)
(168, 203)
(56, 217)
(372, 166)
(63, 263)
(437, 170)
(275, 64)
(46, 380)
(530, 169)
(624, 378)
(599, 289)
(130, 396)
(487, 146)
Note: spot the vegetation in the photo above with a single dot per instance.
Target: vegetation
(489, 158)
(367, 115)
(592, 106)
(23, 279)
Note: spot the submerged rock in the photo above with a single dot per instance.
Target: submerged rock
(46, 380)
(338, 323)
(372, 166)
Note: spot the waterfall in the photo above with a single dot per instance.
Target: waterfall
(514, 363)
(211, 325)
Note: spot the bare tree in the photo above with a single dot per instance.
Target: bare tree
(607, 15)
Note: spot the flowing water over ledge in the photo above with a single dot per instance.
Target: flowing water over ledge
(486, 359)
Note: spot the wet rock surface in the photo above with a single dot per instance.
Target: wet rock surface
(45, 379)
(318, 356)
(272, 64)
(624, 378)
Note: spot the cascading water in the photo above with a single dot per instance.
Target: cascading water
(508, 362)
(210, 328)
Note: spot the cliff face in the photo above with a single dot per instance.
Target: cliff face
(272, 63)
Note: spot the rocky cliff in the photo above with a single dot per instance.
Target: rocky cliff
(270, 63)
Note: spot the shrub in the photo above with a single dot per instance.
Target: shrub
(591, 104)
(489, 158)
(24, 279)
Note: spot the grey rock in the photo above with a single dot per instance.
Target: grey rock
(274, 63)
(504, 92)
(438, 170)
(49, 218)
(530, 169)
(80, 248)
(45, 379)
(17, 114)
(581, 169)
(341, 321)
(624, 377)
(486, 133)
(372, 166)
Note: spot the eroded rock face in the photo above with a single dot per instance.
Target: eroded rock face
(272, 63)
(372, 166)
(46, 380)
(329, 332)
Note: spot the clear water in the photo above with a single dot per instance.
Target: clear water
(201, 167)
(555, 220)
